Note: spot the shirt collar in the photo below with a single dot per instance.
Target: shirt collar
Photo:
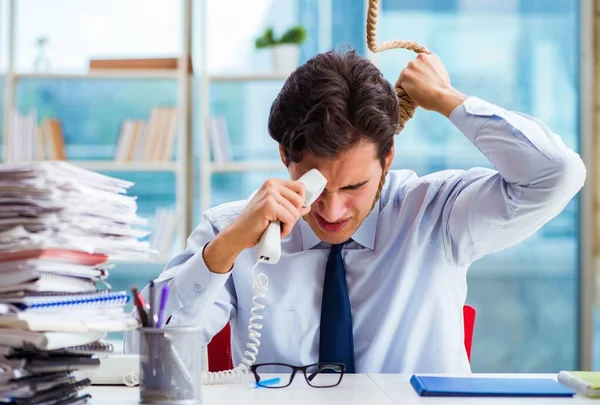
(364, 235)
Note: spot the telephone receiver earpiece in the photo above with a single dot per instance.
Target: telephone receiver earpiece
(269, 246)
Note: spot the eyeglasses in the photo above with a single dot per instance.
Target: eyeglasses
(320, 375)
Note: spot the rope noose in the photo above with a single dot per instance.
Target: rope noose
(406, 105)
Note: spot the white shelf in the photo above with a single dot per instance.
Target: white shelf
(245, 167)
(128, 166)
(252, 77)
(102, 74)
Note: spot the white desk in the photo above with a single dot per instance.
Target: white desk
(380, 389)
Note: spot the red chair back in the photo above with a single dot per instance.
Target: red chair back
(219, 348)
(219, 351)
(469, 321)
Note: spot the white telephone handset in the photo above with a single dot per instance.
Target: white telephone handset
(269, 247)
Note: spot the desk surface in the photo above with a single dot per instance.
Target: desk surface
(380, 389)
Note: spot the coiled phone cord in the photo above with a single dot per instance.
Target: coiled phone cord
(260, 285)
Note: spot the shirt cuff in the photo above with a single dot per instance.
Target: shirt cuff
(195, 280)
(471, 116)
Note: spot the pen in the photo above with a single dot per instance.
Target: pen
(137, 300)
(152, 300)
(271, 381)
(142, 302)
(163, 304)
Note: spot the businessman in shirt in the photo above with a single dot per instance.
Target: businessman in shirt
(373, 274)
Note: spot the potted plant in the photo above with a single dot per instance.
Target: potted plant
(285, 50)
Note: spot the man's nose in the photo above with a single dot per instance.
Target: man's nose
(332, 207)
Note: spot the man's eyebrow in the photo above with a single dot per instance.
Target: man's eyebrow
(354, 186)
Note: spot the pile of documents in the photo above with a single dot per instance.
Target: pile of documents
(59, 226)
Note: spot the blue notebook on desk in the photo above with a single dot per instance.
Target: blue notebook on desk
(488, 386)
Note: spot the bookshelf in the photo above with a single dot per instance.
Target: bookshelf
(207, 166)
(102, 74)
(243, 167)
(181, 168)
(186, 166)
(176, 167)
(256, 77)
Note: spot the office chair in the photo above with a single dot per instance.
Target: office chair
(219, 348)
(219, 351)
(469, 321)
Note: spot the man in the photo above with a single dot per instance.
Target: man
(373, 275)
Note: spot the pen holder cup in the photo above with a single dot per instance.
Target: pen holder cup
(170, 365)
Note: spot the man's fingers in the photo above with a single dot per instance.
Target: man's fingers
(296, 187)
(287, 219)
(293, 195)
(287, 205)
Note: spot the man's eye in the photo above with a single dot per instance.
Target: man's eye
(355, 186)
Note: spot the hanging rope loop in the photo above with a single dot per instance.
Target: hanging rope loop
(406, 105)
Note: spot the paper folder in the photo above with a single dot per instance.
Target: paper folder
(487, 386)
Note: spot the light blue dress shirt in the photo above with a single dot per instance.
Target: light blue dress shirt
(407, 263)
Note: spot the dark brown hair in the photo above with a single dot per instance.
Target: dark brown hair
(331, 103)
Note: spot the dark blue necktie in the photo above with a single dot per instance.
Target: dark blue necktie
(336, 340)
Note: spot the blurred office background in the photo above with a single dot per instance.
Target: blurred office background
(523, 55)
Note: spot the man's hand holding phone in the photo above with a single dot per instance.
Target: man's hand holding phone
(276, 200)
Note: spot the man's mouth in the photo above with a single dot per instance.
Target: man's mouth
(331, 226)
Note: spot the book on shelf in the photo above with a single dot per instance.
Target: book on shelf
(23, 137)
(30, 141)
(166, 63)
(152, 141)
(165, 226)
(129, 140)
(51, 140)
(220, 143)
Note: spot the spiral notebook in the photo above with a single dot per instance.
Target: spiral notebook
(99, 311)
(47, 282)
(74, 322)
(100, 346)
(88, 350)
(97, 299)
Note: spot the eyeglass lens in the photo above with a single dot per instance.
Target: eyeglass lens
(324, 375)
(270, 380)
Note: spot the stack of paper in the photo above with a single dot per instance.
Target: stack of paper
(59, 225)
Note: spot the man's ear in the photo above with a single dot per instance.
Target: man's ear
(282, 155)
(389, 158)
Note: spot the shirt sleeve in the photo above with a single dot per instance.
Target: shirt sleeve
(197, 296)
(535, 177)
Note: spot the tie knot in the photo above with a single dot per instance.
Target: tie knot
(337, 248)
